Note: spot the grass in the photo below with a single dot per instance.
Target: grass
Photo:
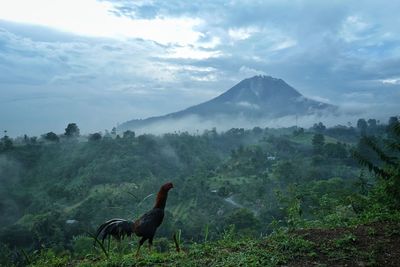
(368, 240)
(230, 250)
(368, 243)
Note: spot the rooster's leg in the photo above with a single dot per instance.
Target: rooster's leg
(140, 244)
(150, 243)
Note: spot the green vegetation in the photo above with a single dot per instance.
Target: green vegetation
(260, 197)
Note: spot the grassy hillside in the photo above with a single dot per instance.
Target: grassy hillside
(373, 244)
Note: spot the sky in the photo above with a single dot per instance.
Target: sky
(101, 63)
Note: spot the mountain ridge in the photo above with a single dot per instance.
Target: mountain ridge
(255, 98)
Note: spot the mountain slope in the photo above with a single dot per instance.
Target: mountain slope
(253, 99)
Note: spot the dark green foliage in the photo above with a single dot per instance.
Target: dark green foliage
(53, 193)
(94, 137)
(72, 130)
(129, 134)
(244, 221)
(362, 126)
(337, 150)
(52, 137)
(6, 143)
(17, 235)
(344, 133)
(372, 124)
(287, 172)
(298, 132)
(384, 161)
(318, 142)
(257, 130)
(393, 121)
(319, 127)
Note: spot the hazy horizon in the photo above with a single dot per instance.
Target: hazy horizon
(122, 60)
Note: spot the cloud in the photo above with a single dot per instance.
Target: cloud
(99, 22)
(248, 105)
(359, 95)
(320, 99)
(196, 125)
(392, 81)
(45, 85)
(192, 53)
(354, 28)
(238, 34)
(248, 72)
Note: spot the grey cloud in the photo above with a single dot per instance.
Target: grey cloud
(45, 85)
(316, 26)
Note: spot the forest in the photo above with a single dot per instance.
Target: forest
(257, 197)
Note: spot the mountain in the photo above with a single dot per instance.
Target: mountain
(252, 100)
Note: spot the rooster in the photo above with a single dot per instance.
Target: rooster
(144, 227)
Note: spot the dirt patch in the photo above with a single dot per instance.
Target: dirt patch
(376, 244)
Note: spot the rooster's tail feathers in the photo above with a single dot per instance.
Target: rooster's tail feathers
(118, 228)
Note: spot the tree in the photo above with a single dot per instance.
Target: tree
(107, 134)
(318, 142)
(387, 167)
(299, 131)
(6, 143)
(362, 126)
(26, 139)
(257, 130)
(95, 137)
(337, 150)
(72, 130)
(319, 127)
(372, 123)
(147, 142)
(33, 140)
(52, 137)
(393, 123)
(114, 131)
(128, 134)
(244, 220)
(286, 172)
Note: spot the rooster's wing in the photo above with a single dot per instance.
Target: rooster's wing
(146, 225)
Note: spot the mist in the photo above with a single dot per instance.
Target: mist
(10, 178)
(346, 116)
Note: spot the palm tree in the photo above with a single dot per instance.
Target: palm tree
(385, 162)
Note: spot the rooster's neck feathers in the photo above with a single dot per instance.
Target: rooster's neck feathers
(162, 196)
(161, 200)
